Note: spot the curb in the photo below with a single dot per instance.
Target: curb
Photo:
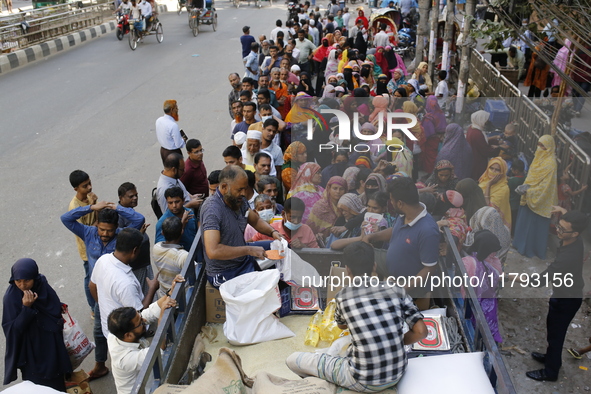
(22, 57)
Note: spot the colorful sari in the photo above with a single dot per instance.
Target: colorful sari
(483, 263)
(290, 168)
(304, 189)
(325, 213)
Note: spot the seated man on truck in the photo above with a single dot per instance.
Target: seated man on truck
(223, 220)
(374, 315)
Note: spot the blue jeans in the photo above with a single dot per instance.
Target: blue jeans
(579, 102)
(87, 272)
(101, 350)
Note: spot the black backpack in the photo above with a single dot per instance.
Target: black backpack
(155, 205)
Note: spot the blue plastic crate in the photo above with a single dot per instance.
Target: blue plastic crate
(499, 113)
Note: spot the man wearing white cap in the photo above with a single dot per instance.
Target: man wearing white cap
(252, 147)
(295, 70)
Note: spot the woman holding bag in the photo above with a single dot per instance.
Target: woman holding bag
(33, 325)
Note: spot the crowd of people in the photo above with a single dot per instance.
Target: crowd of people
(291, 173)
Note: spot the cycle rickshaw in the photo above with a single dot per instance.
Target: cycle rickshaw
(203, 16)
(153, 27)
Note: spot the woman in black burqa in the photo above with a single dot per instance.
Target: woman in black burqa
(33, 326)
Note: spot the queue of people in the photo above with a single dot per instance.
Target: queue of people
(277, 184)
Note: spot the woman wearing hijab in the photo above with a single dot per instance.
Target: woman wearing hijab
(417, 130)
(400, 96)
(397, 80)
(33, 326)
(381, 60)
(329, 91)
(331, 64)
(457, 151)
(472, 195)
(381, 86)
(373, 184)
(442, 179)
(478, 141)
(346, 226)
(434, 124)
(361, 17)
(482, 217)
(367, 74)
(482, 262)
(496, 190)
(402, 157)
(348, 74)
(305, 84)
(325, 212)
(350, 175)
(394, 60)
(422, 76)
(377, 70)
(533, 218)
(360, 43)
(295, 155)
(307, 187)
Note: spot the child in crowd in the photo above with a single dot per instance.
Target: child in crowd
(297, 234)
(507, 142)
(169, 255)
(578, 353)
(442, 91)
(454, 217)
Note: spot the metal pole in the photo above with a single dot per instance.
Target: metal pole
(448, 36)
(434, 19)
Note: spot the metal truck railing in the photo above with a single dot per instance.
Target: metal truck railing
(36, 26)
(178, 328)
(183, 328)
(532, 123)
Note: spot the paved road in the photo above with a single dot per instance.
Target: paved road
(94, 108)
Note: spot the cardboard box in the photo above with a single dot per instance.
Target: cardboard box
(331, 291)
(170, 389)
(215, 307)
(78, 383)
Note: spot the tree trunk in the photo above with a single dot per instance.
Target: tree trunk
(423, 30)
(433, 20)
(448, 36)
(467, 44)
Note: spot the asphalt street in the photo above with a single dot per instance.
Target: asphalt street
(94, 108)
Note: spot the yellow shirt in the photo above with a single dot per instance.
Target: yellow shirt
(88, 220)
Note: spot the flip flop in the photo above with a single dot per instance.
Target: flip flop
(574, 353)
(92, 376)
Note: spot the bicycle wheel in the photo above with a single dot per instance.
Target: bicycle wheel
(133, 38)
(159, 32)
(215, 22)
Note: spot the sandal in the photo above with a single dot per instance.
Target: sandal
(92, 376)
(574, 353)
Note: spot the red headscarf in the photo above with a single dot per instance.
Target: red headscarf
(362, 17)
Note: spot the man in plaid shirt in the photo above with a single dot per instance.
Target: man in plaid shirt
(376, 358)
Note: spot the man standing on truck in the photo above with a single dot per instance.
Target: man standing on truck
(224, 217)
(376, 359)
(566, 276)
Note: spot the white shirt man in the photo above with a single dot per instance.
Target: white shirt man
(313, 31)
(381, 39)
(127, 358)
(168, 133)
(442, 94)
(146, 8)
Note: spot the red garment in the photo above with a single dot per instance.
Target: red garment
(382, 61)
(429, 153)
(363, 18)
(195, 178)
(481, 151)
(322, 51)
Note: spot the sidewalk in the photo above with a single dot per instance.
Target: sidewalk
(24, 5)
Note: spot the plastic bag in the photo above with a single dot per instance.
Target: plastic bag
(283, 265)
(77, 343)
(251, 299)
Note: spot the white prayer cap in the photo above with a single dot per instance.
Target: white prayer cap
(239, 138)
(254, 135)
(295, 68)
